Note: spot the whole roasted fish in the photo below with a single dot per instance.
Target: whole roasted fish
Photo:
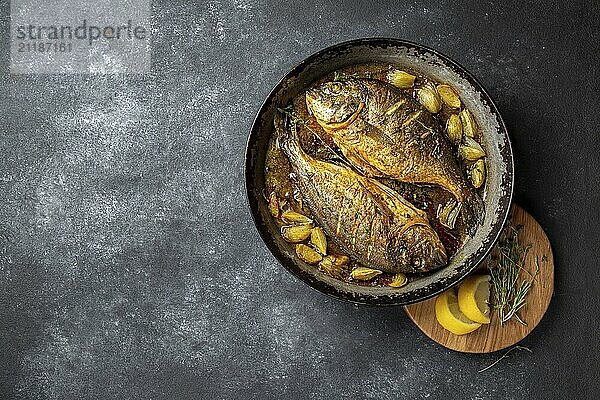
(384, 132)
(368, 220)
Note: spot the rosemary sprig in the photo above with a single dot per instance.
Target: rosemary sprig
(504, 356)
(342, 76)
(509, 294)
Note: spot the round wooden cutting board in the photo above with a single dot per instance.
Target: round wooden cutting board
(494, 337)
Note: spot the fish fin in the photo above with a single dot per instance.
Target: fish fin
(394, 202)
(360, 164)
(473, 212)
(399, 199)
(366, 184)
(286, 134)
(377, 134)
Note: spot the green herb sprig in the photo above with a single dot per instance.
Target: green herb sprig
(510, 293)
(342, 76)
(505, 355)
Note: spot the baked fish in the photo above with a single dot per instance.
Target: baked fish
(384, 132)
(368, 220)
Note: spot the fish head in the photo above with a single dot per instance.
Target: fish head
(336, 104)
(418, 249)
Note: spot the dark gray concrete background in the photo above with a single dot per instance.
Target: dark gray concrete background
(129, 264)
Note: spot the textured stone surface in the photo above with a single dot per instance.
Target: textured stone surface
(129, 264)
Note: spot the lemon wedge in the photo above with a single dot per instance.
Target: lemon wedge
(473, 297)
(448, 314)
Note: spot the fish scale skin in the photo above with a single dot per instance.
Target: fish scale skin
(365, 220)
(416, 153)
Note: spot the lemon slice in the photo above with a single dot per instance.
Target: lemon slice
(449, 315)
(473, 297)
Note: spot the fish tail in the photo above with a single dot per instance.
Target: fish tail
(287, 138)
(473, 211)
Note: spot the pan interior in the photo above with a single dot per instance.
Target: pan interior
(499, 181)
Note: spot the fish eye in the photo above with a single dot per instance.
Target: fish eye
(336, 88)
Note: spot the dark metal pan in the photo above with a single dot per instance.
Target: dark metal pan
(499, 181)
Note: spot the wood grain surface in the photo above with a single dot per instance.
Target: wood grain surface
(494, 336)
